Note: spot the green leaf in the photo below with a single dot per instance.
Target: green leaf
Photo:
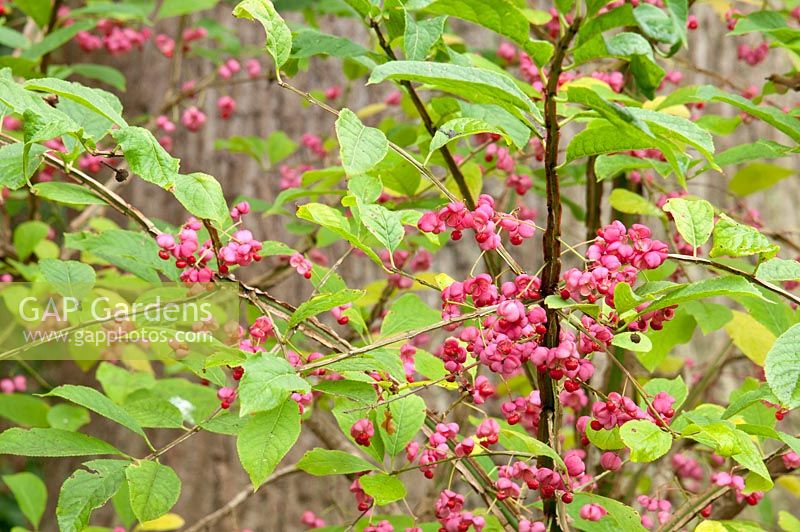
(279, 37)
(361, 147)
(201, 195)
(85, 491)
(11, 164)
(607, 440)
(609, 166)
(495, 115)
(385, 225)
(500, 16)
(38, 10)
(151, 411)
(266, 438)
(23, 409)
(310, 42)
(360, 392)
(620, 518)
(383, 488)
(625, 299)
(629, 46)
(739, 240)
(175, 8)
(473, 84)
(679, 130)
(365, 188)
(30, 493)
(56, 39)
(760, 149)
(12, 38)
(96, 402)
(782, 367)
(334, 220)
(69, 193)
(693, 219)
(655, 24)
(118, 383)
(101, 102)
(279, 146)
(757, 176)
(406, 313)
(678, 330)
(458, 128)
(69, 278)
(646, 441)
(602, 138)
(27, 236)
(267, 382)
(323, 462)
(154, 489)
(747, 399)
(776, 270)
(322, 303)
(106, 74)
(632, 341)
(630, 202)
(51, 442)
(407, 418)
(709, 316)
(519, 441)
(773, 116)
(146, 157)
(68, 417)
(728, 285)
(420, 36)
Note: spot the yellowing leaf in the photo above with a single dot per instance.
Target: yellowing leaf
(162, 524)
(750, 336)
(791, 484)
(710, 526)
(443, 280)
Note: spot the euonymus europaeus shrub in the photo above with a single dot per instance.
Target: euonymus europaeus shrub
(539, 389)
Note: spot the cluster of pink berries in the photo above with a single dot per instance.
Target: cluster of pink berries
(688, 470)
(314, 144)
(661, 508)
(17, 383)
(112, 35)
(189, 255)
(752, 55)
(193, 119)
(311, 520)
(241, 250)
(484, 220)
(362, 432)
(614, 79)
(166, 44)
(615, 256)
(736, 484)
(617, 410)
(291, 176)
(450, 513)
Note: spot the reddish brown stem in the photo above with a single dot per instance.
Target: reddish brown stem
(551, 242)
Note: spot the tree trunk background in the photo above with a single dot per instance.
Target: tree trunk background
(208, 463)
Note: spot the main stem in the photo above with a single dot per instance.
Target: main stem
(551, 243)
